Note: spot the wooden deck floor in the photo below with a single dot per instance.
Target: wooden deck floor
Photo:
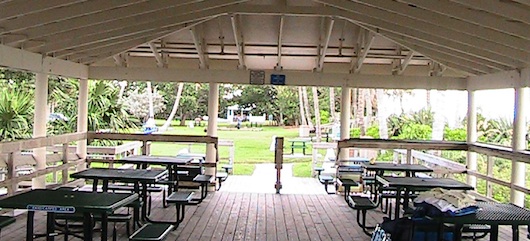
(230, 215)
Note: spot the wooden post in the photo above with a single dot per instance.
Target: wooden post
(82, 121)
(278, 158)
(39, 125)
(145, 149)
(11, 172)
(409, 156)
(64, 175)
(489, 172)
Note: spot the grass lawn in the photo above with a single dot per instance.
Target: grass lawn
(251, 147)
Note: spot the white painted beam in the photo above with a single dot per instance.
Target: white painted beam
(24, 60)
(104, 21)
(64, 13)
(238, 38)
(280, 35)
(159, 61)
(505, 9)
(12, 9)
(394, 22)
(476, 17)
(438, 20)
(405, 63)
(199, 43)
(326, 44)
(510, 79)
(368, 40)
(197, 12)
(293, 78)
(519, 143)
(39, 125)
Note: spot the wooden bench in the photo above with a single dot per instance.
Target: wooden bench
(152, 232)
(130, 188)
(362, 205)
(78, 217)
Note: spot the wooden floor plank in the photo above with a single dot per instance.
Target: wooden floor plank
(281, 228)
(250, 230)
(261, 222)
(290, 224)
(242, 218)
(215, 217)
(229, 222)
(306, 217)
(314, 216)
(301, 228)
(270, 218)
(321, 214)
(195, 224)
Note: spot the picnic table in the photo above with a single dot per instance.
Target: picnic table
(135, 176)
(299, 143)
(489, 213)
(65, 201)
(411, 184)
(381, 167)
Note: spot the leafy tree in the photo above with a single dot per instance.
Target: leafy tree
(287, 105)
(137, 101)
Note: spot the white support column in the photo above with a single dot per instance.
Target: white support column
(345, 114)
(82, 119)
(471, 135)
(519, 143)
(39, 125)
(213, 111)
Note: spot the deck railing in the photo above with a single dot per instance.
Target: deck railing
(62, 156)
(411, 151)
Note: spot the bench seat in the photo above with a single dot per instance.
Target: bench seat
(152, 232)
(362, 205)
(180, 197)
(6, 221)
(124, 187)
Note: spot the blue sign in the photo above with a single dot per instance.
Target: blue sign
(51, 208)
(277, 79)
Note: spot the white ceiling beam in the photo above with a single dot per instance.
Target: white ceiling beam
(405, 63)
(322, 54)
(36, 63)
(387, 20)
(367, 40)
(500, 80)
(106, 20)
(63, 13)
(13, 9)
(440, 20)
(198, 41)
(293, 78)
(447, 50)
(476, 17)
(131, 32)
(280, 35)
(158, 57)
(193, 12)
(442, 57)
(238, 38)
(99, 52)
(505, 9)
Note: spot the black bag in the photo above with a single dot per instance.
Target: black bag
(400, 229)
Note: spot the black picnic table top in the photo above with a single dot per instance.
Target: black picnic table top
(64, 201)
(156, 160)
(388, 166)
(493, 214)
(417, 183)
(124, 175)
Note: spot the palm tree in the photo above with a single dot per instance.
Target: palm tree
(174, 109)
(306, 108)
(332, 104)
(301, 101)
(317, 113)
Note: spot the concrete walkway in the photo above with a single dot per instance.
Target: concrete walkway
(264, 178)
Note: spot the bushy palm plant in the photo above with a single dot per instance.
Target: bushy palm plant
(16, 114)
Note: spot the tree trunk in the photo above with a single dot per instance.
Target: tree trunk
(301, 102)
(317, 114)
(174, 110)
(359, 116)
(306, 108)
(332, 104)
(369, 109)
(382, 113)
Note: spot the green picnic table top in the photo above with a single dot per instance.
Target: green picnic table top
(156, 160)
(124, 175)
(416, 183)
(65, 201)
(388, 166)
